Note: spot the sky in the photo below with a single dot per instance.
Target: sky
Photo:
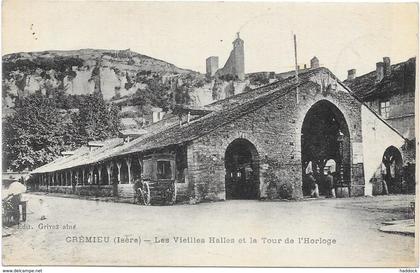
(342, 36)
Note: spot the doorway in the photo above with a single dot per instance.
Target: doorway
(242, 170)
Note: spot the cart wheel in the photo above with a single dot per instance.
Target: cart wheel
(146, 193)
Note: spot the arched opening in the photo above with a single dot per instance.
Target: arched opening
(104, 176)
(114, 179)
(325, 143)
(392, 170)
(95, 178)
(242, 170)
(136, 169)
(124, 173)
(330, 166)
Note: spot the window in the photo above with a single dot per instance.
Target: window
(164, 170)
(384, 109)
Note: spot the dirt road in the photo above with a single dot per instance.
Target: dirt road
(327, 232)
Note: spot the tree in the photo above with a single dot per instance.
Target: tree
(33, 136)
(142, 99)
(96, 121)
(39, 130)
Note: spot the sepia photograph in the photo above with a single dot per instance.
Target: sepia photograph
(209, 134)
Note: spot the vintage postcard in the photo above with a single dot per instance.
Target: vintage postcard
(257, 134)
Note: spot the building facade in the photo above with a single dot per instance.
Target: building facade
(389, 91)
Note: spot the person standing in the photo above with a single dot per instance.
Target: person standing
(314, 185)
(330, 184)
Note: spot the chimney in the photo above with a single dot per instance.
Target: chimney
(379, 71)
(67, 153)
(351, 74)
(314, 62)
(387, 66)
(94, 144)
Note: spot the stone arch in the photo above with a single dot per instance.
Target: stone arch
(392, 170)
(124, 172)
(325, 135)
(242, 176)
(136, 168)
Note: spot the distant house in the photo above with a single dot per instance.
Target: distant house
(389, 91)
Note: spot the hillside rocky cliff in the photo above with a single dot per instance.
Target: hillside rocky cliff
(115, 73)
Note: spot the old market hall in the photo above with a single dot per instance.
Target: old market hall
(257, 144)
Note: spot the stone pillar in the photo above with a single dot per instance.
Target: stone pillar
(71, 178)
(128, 162)
(109, 172)
(99, 174)
(140, 164)
(78, 177)
(92, 180)
(83, 176)
(119, 171)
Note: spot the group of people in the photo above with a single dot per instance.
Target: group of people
(315, 182)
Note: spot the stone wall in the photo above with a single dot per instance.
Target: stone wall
(402, 113)
(377, 137)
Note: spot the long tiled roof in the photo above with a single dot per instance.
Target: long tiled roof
(168, 132)
(81, 156)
